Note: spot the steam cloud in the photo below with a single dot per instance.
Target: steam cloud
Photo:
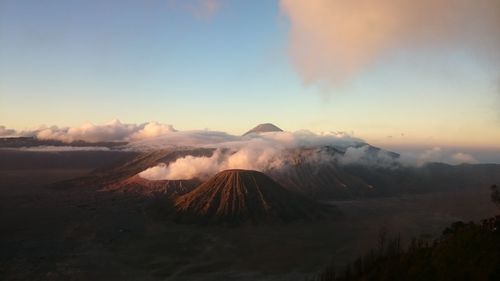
(253, 154)
(274, 151)
(262, 152)
(332, 40)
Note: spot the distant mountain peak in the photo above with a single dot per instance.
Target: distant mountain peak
(264, 128)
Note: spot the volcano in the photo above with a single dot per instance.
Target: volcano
(264, 128)
(237, 196)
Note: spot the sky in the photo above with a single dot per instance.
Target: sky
(396, 73)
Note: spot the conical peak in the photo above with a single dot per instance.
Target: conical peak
(235, 196)
(264, 128)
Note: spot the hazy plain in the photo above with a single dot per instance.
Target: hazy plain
(49, 233)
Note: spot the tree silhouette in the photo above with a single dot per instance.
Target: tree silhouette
(495, 195)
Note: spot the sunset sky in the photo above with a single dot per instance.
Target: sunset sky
(395, 73)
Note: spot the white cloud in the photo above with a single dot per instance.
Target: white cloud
(5, 132)
(461, 157)
(184, 168)
(152, 129)
(437, 154)
(252, 156)
(332, 40)
(261, 152)
(111, 131)
(183, 138)
(434, 154)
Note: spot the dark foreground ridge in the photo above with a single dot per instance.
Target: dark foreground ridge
(237, 196)
(465, 251)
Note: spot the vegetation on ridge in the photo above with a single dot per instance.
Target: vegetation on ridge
(464, 251)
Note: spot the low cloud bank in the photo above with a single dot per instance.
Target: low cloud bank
(437, 154)
(258, 151)
(49, 148)
(208, 138)
(111, 131)
(5, 132)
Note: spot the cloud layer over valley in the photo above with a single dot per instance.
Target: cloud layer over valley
(256, 151)
(108, 132)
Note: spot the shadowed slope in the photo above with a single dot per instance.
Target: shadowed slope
(152, 188)
(304, 174)
(124, 172)
(236, 196)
